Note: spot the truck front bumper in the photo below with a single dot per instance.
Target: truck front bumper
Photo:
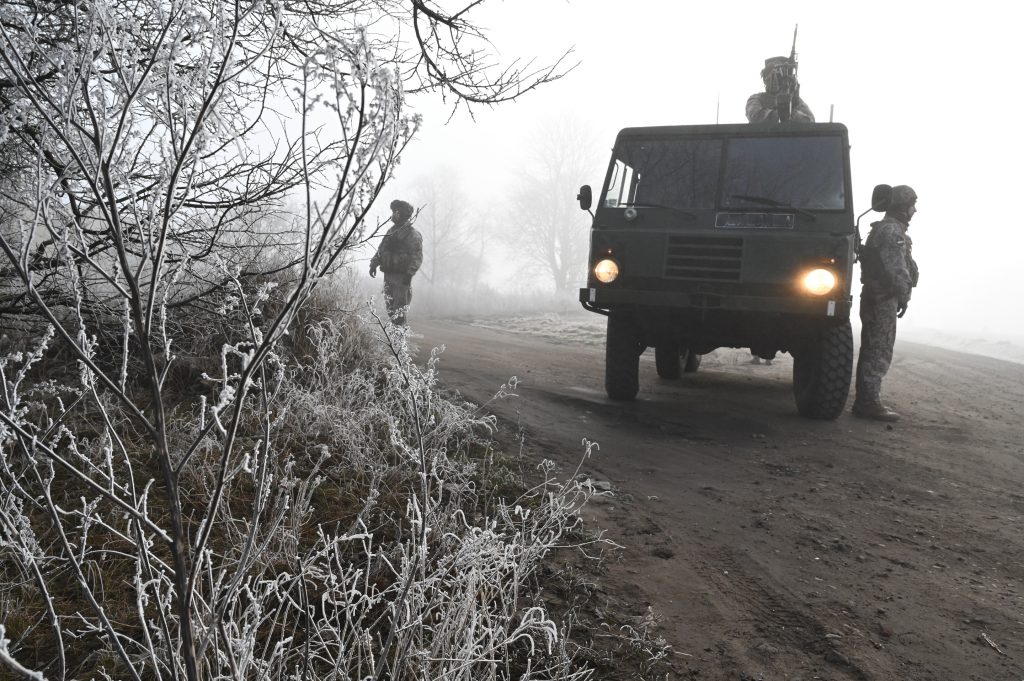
(602, 300)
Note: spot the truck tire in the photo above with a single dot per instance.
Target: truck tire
(622, 358)
(668, 361)
(821, 373)
(692, 362)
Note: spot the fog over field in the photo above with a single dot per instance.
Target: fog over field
(922, 93)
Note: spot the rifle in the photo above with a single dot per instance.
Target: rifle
(789, 91)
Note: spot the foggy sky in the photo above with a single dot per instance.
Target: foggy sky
(922, 92)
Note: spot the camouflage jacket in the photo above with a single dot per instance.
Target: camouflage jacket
(761, 109)
(887, 262)
(400, 251)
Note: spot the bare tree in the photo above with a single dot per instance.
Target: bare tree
(550, 231)
(108, 88)
(149, 141)
(453, 244)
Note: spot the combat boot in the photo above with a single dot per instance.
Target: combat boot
(874, 410)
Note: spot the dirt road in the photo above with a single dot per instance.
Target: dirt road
(774, 547)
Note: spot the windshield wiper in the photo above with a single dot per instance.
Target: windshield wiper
(658, 205)
(765, 201)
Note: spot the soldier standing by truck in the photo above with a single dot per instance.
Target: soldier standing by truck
(888, 273)
(399, 257)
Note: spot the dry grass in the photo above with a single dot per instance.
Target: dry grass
(369, 529)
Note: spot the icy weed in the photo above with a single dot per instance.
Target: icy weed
(353, 540)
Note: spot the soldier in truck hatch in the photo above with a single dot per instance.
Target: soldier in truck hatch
(780, 100)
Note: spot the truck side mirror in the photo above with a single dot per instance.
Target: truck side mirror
(881, 196)
(585, 197)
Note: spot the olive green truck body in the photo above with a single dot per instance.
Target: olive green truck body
(727, 236)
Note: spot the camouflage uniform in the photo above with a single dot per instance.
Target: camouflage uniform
(399, 257)
(763, 107)
(888, 273)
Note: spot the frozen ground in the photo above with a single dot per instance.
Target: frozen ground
(1009, 348)
(589, 328)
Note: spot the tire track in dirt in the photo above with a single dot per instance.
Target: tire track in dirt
(774, 612)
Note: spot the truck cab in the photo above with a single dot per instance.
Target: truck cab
(713, 236)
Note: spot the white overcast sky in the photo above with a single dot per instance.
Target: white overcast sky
(931, 97)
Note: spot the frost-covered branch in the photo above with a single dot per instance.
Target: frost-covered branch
(198, 480)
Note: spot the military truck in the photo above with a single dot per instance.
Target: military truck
(709, 236)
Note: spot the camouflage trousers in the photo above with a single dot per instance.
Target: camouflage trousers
(397, 296)
(877, 338)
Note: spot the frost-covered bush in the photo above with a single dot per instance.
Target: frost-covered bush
(159, 508)
(350, 541)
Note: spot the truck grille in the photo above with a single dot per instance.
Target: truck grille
(706, 258)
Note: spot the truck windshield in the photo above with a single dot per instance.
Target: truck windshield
(676, 173)
(787, 172)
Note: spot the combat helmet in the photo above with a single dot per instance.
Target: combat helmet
(773, 63)
(404, 208)
(903, 196)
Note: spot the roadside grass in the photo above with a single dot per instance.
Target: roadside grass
(618, 639)
(405, 533)
(371, 527)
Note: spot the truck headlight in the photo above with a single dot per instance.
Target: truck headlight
(606, 271)
(819, 282)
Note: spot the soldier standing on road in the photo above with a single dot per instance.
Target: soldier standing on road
(888, 273)
(781, 94)
(399, 257)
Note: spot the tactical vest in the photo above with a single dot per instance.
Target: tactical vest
(395, 252)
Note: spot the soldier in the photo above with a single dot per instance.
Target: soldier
(781, 94)
(888, 273)
(399, 257)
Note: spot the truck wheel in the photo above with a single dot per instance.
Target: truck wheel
(821, 373)
(622, 358)
(668, 361)
(692, 362)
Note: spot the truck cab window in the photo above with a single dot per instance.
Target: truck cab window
(621, 184)
(800, 173)
(679, 174)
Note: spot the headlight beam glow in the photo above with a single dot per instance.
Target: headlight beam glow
(819, 281)
(606, 271)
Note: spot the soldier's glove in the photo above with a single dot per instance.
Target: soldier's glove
(901, 308)
(373, 271)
